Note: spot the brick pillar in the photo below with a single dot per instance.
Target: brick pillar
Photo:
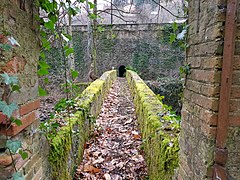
(233, 140)
(201, 95)
(17, 20)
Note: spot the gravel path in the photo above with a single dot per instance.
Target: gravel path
(114, 152)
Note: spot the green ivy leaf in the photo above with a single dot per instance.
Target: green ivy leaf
(92, 16)
(49, 25)
(43, 72)
(23, 154)
(172, 38)
(5, 47)
(74, 74)
(18, 122)
(9, 79)
(72, 11)
(46, 44)
(46, 80)
(43, 64)
(91, 5)
(69, 51)
(15, 88)
(18, 176)
(43, 55)
(8, 109)
(53, 18)
(13, 146)
(41, 92)
(175, 26)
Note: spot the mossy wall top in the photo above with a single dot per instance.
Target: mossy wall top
(159, 131)
(66, 148)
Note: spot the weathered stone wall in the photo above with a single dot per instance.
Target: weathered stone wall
(159, 132)
(66, 148)
(201, 95)
(17, 21)
(140, 46)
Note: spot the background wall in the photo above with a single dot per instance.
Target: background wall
(144, 47)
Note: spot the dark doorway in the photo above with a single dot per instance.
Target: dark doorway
(122, 71)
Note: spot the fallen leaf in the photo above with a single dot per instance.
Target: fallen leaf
(136, 136)
(91, 169)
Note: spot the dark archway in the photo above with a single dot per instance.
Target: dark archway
(121, 71)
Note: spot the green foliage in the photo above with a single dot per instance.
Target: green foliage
(184, 70)
(174, 34)
(170, 89)
(63, 104)
(8, 109)
(42, 92)
(18, 176)
(129, 67)
(13, 146)
(5, 47)
(141, 57)
(8, 80)
(23, 154)
(74, 74)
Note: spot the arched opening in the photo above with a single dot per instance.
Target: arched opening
(121, 71)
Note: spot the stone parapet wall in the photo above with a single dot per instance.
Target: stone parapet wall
(66, 148)
(159, 133)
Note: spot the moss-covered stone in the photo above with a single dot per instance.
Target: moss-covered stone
(66, 148)
(160, 134)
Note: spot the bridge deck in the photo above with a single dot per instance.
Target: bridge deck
(114, 151)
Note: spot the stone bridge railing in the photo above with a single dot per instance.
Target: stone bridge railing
(66, 148)
(159, 131)
(160, 146)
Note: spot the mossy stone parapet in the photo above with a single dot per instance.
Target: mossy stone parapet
(160, 145)
(66, 148)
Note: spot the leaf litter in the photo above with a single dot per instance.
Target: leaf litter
(114, 152)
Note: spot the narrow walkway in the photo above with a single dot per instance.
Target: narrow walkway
(114, 152)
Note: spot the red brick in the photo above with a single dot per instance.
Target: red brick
(207, 130)
(3, 118)
(210, 90)
(15, 65)
(236, 63)
(236, 77)
(29, 107)
(6, 160)
(235, 92)
(205, 75)
(205, 102)
(211, 63)
(234, 119)
(14, 129)
(209, 117)
(234, 105)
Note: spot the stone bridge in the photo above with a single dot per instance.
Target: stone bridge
(210, 129)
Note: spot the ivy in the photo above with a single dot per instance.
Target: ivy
(13, 146)
(8, 109)
(18, 176)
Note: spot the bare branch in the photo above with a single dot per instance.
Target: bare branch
(169, 10)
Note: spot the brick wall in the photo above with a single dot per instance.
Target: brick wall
(201, 96)
(18, 21)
